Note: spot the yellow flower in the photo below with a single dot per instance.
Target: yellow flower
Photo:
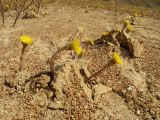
(26, 40)
(129, 28)
(76, 46)
(105, 33)
(90, 40)
(126, 22)
(117, 58)
(75, 43)
(78, 50)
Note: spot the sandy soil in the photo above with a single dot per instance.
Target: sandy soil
(121, 92)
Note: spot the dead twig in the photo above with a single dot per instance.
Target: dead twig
(22, 7)
(99, 72)
(49, 73)
(2, 11)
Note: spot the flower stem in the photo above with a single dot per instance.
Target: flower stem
(22, 54)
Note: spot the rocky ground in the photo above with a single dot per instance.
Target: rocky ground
(121, 92)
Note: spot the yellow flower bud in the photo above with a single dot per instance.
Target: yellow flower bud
(105, 33)
(129, 28)
(126, 22)
(117, 58)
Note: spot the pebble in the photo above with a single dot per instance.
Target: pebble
(138, 112)
(129, 88)
(49, 94)
(158, 96)
(124, 91)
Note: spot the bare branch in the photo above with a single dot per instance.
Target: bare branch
(2, 11)
(23, 6)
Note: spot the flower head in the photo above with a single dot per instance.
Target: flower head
(26, 40)
(129, 28)
(126, 22)
(76, 47)
(78, 51)
(117, 58)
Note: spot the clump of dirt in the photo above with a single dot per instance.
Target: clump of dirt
(133, 45)
(71, 93)
(81, 100)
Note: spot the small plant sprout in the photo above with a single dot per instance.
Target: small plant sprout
(91, 41)
(127, 26)
(76, 46)
(105, 33)
(25, 40)
(116, 58)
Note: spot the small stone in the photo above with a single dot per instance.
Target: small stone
(138, 112)
(129, 88)
(10, 83)
(41, 99)
(124, 91)
(149, 81)
(85, 107)
(29, 14)
(55, 105)
(49, 94)
(158, 96)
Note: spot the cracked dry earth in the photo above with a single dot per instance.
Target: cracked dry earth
(121, 92)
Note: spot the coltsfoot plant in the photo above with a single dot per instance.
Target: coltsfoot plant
(127, 26)
(25, 40)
